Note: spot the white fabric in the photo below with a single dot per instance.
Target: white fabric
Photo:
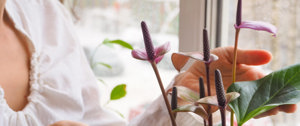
(62, 85)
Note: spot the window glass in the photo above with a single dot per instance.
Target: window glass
(97, 20)
(285, 15)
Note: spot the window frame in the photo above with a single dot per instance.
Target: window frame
(191, 24)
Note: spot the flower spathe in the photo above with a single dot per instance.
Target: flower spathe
(258, 25)
(159, 52)
(191, 102)
(197, 56)
(255, 25)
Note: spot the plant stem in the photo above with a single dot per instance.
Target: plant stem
(235, 55)
(234, 68)
(93, 55)
(205, 14)
(202, 93)
(153, 64)
(210, 122)
(223, 115)
(204, 121)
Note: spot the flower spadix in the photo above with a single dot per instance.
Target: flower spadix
(150, 53)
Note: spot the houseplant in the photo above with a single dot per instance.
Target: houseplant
(278, 88)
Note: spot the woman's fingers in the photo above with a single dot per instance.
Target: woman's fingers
(249, 57)
(273, 111)
(284, 108)
(253, 57)
(288, 108)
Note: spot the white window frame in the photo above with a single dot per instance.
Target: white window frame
(191, 23)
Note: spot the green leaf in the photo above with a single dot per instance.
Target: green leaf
(118, 92)
(103, 64)
(278, 88)
(102, 81)
(118, 42)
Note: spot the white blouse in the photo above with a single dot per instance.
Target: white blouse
(62, 85)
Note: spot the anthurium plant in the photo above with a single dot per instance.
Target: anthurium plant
(246, 99)
(154, 56)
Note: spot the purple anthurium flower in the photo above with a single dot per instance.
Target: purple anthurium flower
(154, 55)
(158, 53)
(255, 25)
(150, 53)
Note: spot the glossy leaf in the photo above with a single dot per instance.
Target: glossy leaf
(118, 92)
(278, 88)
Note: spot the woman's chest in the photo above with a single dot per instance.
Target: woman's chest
(14, 67)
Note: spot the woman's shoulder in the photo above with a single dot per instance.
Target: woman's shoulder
(45, 22)
(37, 12)
(47, 26)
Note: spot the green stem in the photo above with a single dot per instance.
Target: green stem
(234, 68)
(163, 93)
(93, 55)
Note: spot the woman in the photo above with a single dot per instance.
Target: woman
(45, 78)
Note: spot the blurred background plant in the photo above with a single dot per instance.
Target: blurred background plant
(103, 68)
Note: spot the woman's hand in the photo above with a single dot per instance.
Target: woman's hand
(246, 59)
(68, 123)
